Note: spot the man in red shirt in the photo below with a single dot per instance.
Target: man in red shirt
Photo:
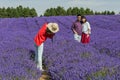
(48, 30)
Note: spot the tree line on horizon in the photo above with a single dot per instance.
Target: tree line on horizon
(17, 12)
(75, 10)
(58, 11)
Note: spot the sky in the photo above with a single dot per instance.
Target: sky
(42, 5)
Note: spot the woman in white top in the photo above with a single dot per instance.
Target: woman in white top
(86, 30)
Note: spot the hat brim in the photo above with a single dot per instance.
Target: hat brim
(50, 27)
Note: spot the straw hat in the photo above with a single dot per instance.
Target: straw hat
(53, 27)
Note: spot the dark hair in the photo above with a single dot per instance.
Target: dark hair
(78, 15)
(83, 17)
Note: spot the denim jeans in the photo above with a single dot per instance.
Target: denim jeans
(77, 37)
(38, 55)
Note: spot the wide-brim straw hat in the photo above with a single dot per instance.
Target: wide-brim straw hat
(53, 27)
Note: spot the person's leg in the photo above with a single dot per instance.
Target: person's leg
(83, 38)
(79, 38)
(76, 37)
(36, 53)
(88, 40)
(40, 53)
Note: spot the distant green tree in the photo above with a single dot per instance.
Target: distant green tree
(20, 10)
(91, 12)
(82, 11)
(8, 10)
(53, 12)
(17, 12)
(26, 12)
(47, 12)
(75, 11)
(97, 13)
(105, 12)
(60, 11)
(4, 13)
(87, 11)
(0, 12)
(33, 12)
(12, 12)
(112, 13)
(69, 11)
(102, 13)
(108, 12)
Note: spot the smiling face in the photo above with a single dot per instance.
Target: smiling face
(83, 20)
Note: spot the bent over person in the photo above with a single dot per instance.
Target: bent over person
(48, 30)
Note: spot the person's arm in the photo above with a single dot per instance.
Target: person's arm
(89, 28)
(74, 29)
(51, 36)
(89, 31)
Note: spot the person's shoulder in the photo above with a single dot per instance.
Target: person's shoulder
(74, 22)
(87, 23)
(45, 24)
(77, 22)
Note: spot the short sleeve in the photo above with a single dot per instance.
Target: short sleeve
(88, 24)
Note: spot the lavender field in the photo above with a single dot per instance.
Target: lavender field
(65, 59)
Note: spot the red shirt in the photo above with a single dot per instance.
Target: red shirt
(42, 35)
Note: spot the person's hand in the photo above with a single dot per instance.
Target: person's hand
(88, 35)
(76, 33)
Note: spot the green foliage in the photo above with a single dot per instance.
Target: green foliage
(69, 11)
(102, 73)
(60, 11)
(55, 11)
(85, 55)
(17, 12)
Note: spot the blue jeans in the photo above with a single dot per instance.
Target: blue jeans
(38, 55)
